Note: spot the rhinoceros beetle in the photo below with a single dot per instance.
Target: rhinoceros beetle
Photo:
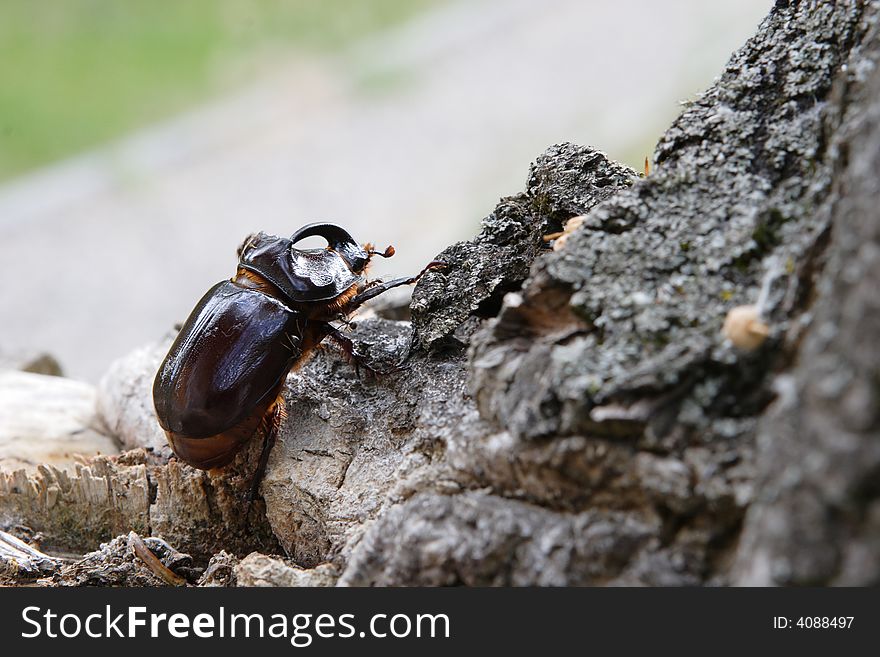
(222, 380)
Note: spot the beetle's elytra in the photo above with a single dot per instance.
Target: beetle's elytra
(221, 382)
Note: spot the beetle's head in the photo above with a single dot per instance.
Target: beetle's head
(355, 256)
(308, 275)
(248, 242)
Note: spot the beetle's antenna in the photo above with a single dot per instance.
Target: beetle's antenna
(386, 254)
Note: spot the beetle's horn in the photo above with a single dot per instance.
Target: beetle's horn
(336, 236)
(339, 240)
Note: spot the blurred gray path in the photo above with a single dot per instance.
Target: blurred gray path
(407, 138)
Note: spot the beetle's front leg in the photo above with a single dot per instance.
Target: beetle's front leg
(376, 288)
(350, 351)
(344, 320)
(357, 359)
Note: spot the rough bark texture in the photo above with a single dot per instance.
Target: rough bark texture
(576, 416)
(816, 514)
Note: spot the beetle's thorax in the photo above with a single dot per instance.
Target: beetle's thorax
(253, 281)
(325, 311)
(301, 276)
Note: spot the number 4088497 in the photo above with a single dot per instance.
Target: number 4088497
(813, 622)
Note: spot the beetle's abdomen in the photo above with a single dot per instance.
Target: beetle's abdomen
(216, 451)
(228, 361)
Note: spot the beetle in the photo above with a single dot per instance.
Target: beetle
(222, 380)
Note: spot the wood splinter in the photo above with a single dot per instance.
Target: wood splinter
(744, 327)
(159, 569)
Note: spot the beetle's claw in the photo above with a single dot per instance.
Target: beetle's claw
(400, 366)
(371, 372)
(434, 265)
(360, 361)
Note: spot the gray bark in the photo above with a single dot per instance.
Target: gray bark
(816, 514)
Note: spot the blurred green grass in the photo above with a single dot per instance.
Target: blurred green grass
(76, 73)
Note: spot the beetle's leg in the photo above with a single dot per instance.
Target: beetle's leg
(357, 359)
(351, 353)
(408, 350)
(343, 319)
(376, 290)
(273, 422)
